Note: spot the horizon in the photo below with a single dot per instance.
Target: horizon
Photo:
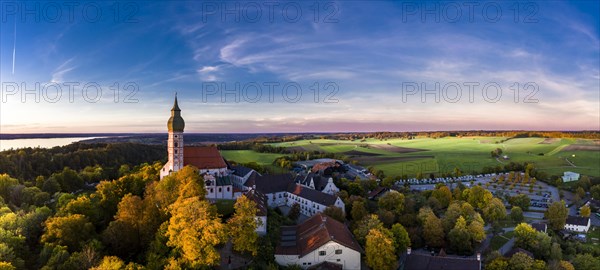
(393, 66)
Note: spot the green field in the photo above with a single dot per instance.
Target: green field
(470, 154)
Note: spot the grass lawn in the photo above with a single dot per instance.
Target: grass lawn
(396, 157)
(245, 156)
(498, 241)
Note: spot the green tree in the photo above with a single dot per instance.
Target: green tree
(294, 212)
(242, 226)
(392, 201)
(358, 211)
(595, 192)
(401, 238)
(335, 213)
(6, 185)
(195, 229)
(557, 215)
(497, 264)
(586, 262)
(586, 211)
(477, 231)
(70, 231)
(443, 195)
(516, 214)
(380, 250)
(433, 231)
(494, 211)
(460, 237)
(478, 197)
(556, 252)
(520, 200)
(520, 261)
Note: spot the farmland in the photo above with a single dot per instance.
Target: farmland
(396, 157)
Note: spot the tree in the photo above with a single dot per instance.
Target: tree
(335, 213)
(478, 197)
(557, 215)
(392, 201)
(380, 250)
(6, 185)
(495, 210)
(499, 263)
(452, 213)
(401, 238)
(358, 211)
(460, 238)
(565, 265)
(68, 231)
(477, 231)
(520, 200)
(433, 231)
(110, 263)
(443, 195)
(195, 229)
(242, 226)
(586, 262)
(555, 252)
(516, 214)
(586, 211)
(595, 192)
(525, 235)
(520, 261)
(364, 226)
(294, 212)
(580, 192)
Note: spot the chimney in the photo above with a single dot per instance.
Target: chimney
(408, 250)
(478, 256)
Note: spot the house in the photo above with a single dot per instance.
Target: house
(577, 224)
(262, 210)
(426, 261)
(282, 190)
(240, 176)
(570, 176)
(317, 182)
(377, 193)
(318, 240)
(540, 227)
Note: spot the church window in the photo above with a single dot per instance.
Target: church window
(219, 189)
(176, 145)
(227, 189)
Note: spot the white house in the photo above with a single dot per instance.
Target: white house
(318, 240)
(281, 190)
(577, 224)
(261, 213)
(570, 176)
(317, 182)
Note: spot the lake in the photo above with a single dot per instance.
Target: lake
(44, 143)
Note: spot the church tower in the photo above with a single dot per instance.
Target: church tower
(175, 141)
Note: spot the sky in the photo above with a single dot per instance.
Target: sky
(299, 66)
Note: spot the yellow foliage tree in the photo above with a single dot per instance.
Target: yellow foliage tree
(242, 226)
(380, 250)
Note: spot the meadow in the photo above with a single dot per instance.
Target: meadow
(397, 157)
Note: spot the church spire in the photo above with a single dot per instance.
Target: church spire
(176, 122)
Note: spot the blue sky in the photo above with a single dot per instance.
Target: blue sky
(363, 58)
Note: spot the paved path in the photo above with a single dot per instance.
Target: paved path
(508, 246)
(227, 255)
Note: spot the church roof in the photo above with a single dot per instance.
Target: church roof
(176, 122)
(203, 157)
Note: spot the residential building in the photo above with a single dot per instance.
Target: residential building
(319, 239)
(540, 227)
(577, 224)
(262, 210)
(317, 182)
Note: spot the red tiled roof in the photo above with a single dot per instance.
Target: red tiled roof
(314, 233)
(203, 157)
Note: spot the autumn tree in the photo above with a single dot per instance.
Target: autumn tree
(380, 250)
(586, 211)
(520, 261)
(443, 195)
(242, 226)
(586, 262)
(294, 212)
(557, 215)
(195, 230)
(69, 231)
(478, 197)
(499, 263)
(525, 235)
(364, 226)
(520, 200)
